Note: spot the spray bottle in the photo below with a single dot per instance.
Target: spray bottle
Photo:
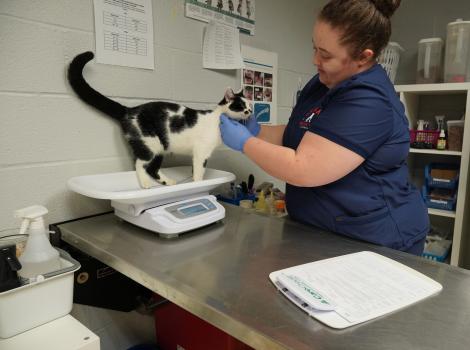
(39, 257)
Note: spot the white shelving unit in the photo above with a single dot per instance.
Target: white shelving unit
(425, 101)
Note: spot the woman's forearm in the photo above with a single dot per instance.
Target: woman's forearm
(272, 133)
(317, 161)
(276, 160)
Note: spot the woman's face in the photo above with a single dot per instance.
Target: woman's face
(332, 59)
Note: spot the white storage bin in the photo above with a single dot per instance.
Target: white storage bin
(34, 304)
(429, 61)
(457, 59)
(389, 59)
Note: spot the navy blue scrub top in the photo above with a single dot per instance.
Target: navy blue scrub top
(375, 202)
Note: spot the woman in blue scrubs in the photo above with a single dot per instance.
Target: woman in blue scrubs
(343, 152)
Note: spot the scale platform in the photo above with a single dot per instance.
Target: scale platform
(167, 210)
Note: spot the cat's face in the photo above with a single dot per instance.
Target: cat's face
(235, 105)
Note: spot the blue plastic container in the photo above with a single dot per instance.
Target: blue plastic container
(441, 183)
(236, 201)
(439, 204)
(437, 251)
(440, 258)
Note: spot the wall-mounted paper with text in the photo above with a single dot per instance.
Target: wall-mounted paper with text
(238, 13)
(124, 33)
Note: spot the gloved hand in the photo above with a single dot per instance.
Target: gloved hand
(233, 133)
(252, 125)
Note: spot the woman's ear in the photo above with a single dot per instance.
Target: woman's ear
(366, 56)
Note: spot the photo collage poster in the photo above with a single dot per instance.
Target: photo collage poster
(237, 13)
(259, 83)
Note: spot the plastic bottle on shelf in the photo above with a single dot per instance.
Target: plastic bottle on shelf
(39, 257)
(441, 141)
(280, 206)
(270, 204)
(260, 204)
(429, 61)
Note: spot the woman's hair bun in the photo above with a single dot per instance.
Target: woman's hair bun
(386, 7)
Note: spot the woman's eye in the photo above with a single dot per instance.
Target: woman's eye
(323, 55)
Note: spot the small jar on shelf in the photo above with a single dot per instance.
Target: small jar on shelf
(441, 141)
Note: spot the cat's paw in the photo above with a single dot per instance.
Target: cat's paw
(165, 180)
(147, 183)
(197, 178)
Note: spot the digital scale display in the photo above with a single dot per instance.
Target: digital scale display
(193, 209)
(188, 210)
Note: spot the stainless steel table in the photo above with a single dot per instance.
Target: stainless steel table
(220, 273)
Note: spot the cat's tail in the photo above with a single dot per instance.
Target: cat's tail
(87, 93)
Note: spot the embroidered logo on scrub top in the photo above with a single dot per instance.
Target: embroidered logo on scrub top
(307, 119)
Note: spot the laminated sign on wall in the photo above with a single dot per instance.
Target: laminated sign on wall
(259, 82)
(238, 13)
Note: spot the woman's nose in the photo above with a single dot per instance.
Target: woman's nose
(315, 59)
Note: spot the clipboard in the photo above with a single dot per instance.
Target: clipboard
(350, 289)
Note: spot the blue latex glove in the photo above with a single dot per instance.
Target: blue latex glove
(233, 133)
(252, 125)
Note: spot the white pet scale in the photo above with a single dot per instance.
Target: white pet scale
(167, 210)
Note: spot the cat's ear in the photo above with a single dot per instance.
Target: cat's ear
(240, 93)
(229, 95)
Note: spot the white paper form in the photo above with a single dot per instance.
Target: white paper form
(124, 33)
(221, 47)
(363, 286)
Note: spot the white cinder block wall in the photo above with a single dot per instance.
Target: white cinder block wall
(47, 135)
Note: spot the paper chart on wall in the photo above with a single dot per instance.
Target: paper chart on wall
(259, 82)
(221, 47)
(124, 33)
(238, 13)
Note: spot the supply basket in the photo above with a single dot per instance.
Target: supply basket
(39, 302)
(439, 204)
(437, 250)
(389, 59)
(424, 138)
(441, 182)
(236, 201)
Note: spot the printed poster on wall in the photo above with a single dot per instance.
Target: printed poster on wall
(259, 82)
(238, 13)
(124, 33)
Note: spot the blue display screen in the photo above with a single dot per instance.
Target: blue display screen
(193, 210)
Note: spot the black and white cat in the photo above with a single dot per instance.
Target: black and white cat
(157, 128)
